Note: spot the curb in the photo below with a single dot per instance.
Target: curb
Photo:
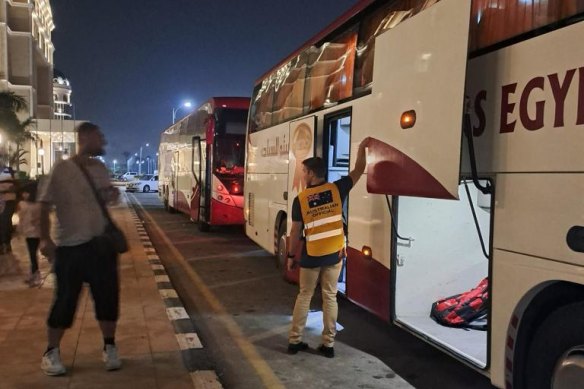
(185, 332)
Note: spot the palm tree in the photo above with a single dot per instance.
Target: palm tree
(15, 130)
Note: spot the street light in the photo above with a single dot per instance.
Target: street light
(140, 165)
(186, 104)
(115, 161)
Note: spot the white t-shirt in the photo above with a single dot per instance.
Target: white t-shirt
(79, 216)
(29, 219)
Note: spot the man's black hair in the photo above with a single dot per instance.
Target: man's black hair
(86, 128)
(315, 165)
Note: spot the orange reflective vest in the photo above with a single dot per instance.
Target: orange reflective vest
(322, 214)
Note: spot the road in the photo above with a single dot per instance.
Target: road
(241, 309)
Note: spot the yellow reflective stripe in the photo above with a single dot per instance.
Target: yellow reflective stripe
(324, 235)
(326, 220)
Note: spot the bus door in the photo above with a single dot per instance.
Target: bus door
(301, 145)
(336, 147)
(174, 181)
(196, 172)
(419, 82)
(205, 177)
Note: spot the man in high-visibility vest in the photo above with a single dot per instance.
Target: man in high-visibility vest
(318, 211)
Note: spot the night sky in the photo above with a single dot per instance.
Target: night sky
(131, 61)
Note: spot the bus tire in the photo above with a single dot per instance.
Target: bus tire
(204, 227)
(558, 339)
(282, 249)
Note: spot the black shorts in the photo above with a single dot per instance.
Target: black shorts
(95, 264)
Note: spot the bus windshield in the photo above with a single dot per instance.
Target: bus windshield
(230, 121)
(229, 154)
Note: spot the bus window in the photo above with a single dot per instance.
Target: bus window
(378, 22)
(229, 150)
(381, 20)
(494, 21)
(339, 135)
(230, 121)
(229, 155)
(331, 71)
(289, 90)
(261, 105)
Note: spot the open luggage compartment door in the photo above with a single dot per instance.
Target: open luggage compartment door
(419, 73)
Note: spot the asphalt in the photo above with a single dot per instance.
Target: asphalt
(154, 336)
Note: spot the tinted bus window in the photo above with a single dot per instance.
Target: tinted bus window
(261, 105)
(493, 21)
(289, 90)
(231, 121)
(331, 71)
(229, 155)
(381, 20)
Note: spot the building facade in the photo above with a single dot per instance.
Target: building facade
(62, 96)
(26, 54)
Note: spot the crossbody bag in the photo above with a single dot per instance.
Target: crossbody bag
(112, 234)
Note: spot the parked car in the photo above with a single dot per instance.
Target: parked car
(146, 183)
(128, 176)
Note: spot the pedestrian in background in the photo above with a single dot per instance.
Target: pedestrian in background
(78, 255)
(318, 211)
(29, 226)
(8, 196)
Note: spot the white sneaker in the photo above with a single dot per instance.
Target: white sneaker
(51, 363)
(110, 357)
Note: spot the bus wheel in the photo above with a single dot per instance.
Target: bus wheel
(204, 227)
(282, 249)
(556, 356)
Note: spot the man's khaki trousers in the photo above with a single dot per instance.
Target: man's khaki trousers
(309, 277)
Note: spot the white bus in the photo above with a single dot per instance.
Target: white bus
(477, 110)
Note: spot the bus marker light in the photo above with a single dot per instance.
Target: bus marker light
(408, 119)
(220, 188)
(367, 252)
(219, 197)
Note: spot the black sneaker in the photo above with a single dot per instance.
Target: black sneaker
(328, 352)
(293, 348)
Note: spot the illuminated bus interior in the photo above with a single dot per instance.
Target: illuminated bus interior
(444, 258)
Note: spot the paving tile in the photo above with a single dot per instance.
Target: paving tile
(145, 337)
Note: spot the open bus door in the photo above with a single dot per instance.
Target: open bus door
(419, 94)
(196, 166)
(300, 146)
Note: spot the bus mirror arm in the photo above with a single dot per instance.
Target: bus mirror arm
(467, 130)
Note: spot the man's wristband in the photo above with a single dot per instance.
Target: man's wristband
(291, 255)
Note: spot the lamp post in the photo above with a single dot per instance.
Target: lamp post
(115, 161)
(186, 104)
(148, 164)
(140, 164)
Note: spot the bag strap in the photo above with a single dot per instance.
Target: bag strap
(94, 190)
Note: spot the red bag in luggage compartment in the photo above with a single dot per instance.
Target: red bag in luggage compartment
(464, 310)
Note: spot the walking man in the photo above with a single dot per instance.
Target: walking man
(318, 211)
(78, 258)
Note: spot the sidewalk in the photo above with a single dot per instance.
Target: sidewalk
(146, 338)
